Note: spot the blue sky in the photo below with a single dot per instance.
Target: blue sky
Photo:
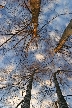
(12, 15)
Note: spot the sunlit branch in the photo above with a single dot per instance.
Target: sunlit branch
(66, 34)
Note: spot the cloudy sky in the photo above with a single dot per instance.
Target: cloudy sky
(52, 23)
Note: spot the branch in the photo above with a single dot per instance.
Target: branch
(58, 71)
(66, 34)
(27, 6)
(7, 40)
(53, 19)
(19, 31)
(19, 104)
(31, 76)
(18, 42)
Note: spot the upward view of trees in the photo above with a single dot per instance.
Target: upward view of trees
(36, 54)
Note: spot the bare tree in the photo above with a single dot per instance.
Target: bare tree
(61, 101)
(35, 9)
(67, 32)
(25, 33)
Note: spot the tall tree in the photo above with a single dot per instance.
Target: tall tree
(25, 103)
(27, 98)
(61, 101)
(35, 9)
(18, 33)
(67, 32)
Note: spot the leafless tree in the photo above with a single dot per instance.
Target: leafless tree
(27, 33)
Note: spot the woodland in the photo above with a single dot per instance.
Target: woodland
(35, 54)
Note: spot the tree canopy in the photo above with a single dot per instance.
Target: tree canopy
(35, 53)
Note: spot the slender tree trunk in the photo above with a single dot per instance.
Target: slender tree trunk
(27, 98)
(25, 103)
(67, 32)
(61, 101)
(35, 9)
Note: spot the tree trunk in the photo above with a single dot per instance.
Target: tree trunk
(35, 9)
(67, 32)
(27, 98)
(61, 101)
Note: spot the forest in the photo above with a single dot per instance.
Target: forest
(35, 54)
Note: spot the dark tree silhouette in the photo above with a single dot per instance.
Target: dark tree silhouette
(19, 43)
(27, 98)
(61, 101)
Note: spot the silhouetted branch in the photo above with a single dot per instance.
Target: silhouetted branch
(27, 6)
(19, 104)
(53, 19)
(17, 33)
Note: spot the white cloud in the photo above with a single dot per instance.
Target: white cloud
(39, 57)
(2, 39)
(2, 2)
(9, 68)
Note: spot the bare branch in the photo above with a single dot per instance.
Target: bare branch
(58, 71)
(66, 34)
(7, 40)
(27, 6)
(19, 32)
(53, 19)
(19, 104)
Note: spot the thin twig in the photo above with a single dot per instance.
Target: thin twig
(58, 71)
(18, 42)
(27, 6)
(13, 35)
(19, 104)
(53, 19)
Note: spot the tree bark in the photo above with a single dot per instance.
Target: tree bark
(61, 101)
(67, 32)
(35, 9)
(27, 98)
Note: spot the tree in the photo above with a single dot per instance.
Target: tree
(26, 102)
(35, 9)
(20, 37)
(67, 32)
(61, 100)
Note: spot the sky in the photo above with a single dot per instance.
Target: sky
(11, 18)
